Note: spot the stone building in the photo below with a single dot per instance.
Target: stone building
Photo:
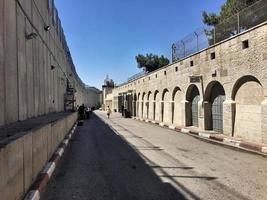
(107, 97)
(221, 89)
(36, 67)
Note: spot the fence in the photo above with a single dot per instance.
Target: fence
(207, 36)
(136, 76)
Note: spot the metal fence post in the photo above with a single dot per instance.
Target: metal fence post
(214, 35)
(238, 23)
(197, 41)
(184, 47)
(173, 52)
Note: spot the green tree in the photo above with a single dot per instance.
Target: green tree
(226, 25)
(151, 62)
(229, 8)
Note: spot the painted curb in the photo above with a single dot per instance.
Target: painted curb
(251, 146)
(184, 130)
(33, 195)
(264, 150)
(162, 124)
(172, 127)
(205, 135)
(44, 176)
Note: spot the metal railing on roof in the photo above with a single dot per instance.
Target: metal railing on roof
(204, 37)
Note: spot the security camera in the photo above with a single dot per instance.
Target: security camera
(31, 36)
(47, 28)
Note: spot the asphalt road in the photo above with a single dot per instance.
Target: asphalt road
(124, 159)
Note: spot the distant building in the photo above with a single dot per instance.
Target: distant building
(107, 93)
(93, 97)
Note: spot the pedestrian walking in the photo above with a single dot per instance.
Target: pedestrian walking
(81, 112)
(87, 112)
(108, 111)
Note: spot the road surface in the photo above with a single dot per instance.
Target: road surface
(124, 159)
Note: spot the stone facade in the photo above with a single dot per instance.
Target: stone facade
(225, 94)
(34, 63)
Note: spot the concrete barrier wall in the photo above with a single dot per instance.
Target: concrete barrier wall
(33, 72)
(22, 159)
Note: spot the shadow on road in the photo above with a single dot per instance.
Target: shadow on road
(100, 165)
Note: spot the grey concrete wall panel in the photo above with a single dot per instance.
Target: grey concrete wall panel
(27, 161)
(11, 70)
(22, 67)
(30, 74)
(22, 159)
(39, 151)
(28, 86)
(2, 65)
(46, 100)
(3, 174)
(12, 171)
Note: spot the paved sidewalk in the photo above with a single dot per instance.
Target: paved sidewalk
(213, 137)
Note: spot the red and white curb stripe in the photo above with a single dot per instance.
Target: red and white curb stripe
(45, 175)
(218, 138)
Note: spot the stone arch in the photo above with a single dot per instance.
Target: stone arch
(149, 105)
(156, 109)
(163, 93)
(165, 106)
(138, 96)
(155, 95)
(191, 110)
(138, 104)
(248, 94)
(134, 104)
(241, 81)
(143, 105)
(213, 106)
(129, 104)
(135, 97)
(176, 106)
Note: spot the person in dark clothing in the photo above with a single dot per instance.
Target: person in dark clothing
(81, 112)
(122, 110)
(87, 112)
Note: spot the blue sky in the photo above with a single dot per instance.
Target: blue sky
(104, 36)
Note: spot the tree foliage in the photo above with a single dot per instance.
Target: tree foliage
(151, 62)
(229, 8)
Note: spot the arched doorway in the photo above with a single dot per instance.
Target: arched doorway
(138, 104)
(165, 111)
(248, 95)
(193, 98)
(214, 98)
(176, 106)
(143, 105)
(156, 113)
(134, 105)
(148, 105)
